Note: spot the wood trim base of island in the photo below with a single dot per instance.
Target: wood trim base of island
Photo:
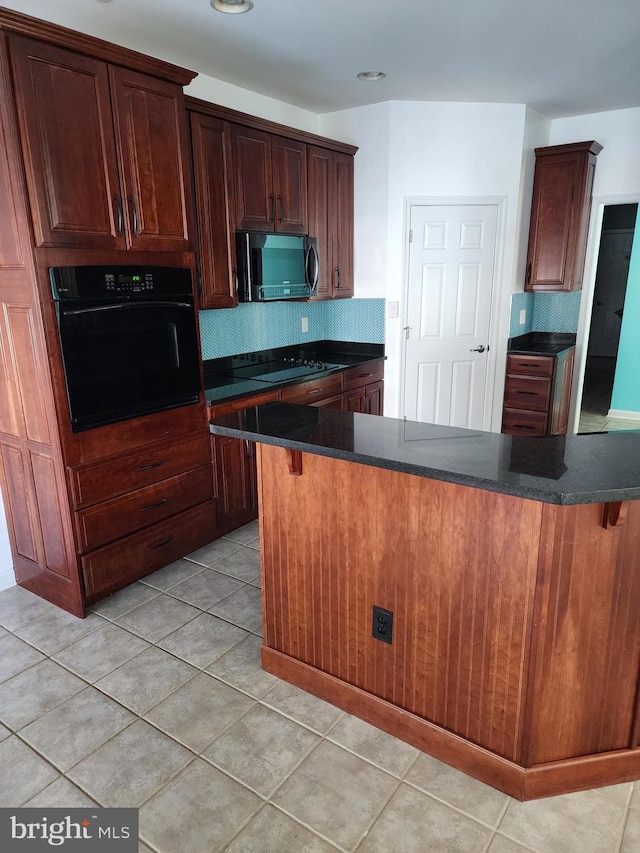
(516, 637)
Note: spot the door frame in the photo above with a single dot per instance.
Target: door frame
(500, 202)
(586, 301)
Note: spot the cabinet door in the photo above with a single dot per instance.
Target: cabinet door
(68, 146)
(290, 185)
(559, 415)
(355, 401)
(255, 204)
(236, 478)
(375, 393)
(152, 137)
(211, 146)
(319, 163)
(341, 208)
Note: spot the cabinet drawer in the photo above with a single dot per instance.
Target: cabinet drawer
(363, 375)
(118, 475)
(530, 365)
(135, 556)
(518, 422)
(243, 403)
(110, 520)
(306, 392)
(527, 393)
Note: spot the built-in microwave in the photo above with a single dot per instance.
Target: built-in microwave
(276, 266)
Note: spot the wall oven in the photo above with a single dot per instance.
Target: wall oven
(128, 339)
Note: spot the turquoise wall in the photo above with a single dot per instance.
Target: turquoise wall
(626, 386)
(265, 325)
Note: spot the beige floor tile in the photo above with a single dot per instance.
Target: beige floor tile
(206, 588)
(261, 749)
(54, 631)
(243, 564)
(146, 680)
(16, 656)
(631, 837)
(4, 732)
(171, 575)
(573, 823)
(272, 830)
(500, 844)
(130, 767)
(257, 582)
(101, 652)
(635, 796)
(32, 693)
(3, 632)
(249, 533)
(199, 711)
(241, 668)
(124, 600)
(336, 793)
(29, 773)
(214, 552)
(198, 812)
(457, 789)
(61, 794)
(243, 608)
(303, 707)
(203, 640)
(19, 606)
(387, 752)
(619, 793)
(156, 618)
(71, 731)
(415, 823)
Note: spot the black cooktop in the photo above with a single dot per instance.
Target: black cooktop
(285, 370)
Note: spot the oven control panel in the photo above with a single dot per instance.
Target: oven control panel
(128, 282)
(120, 282)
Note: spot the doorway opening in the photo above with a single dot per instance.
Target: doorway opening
(612, 271)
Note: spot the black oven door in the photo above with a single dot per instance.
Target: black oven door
(123, 359)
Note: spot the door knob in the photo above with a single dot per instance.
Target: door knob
(481, 348)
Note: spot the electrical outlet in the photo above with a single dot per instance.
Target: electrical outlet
(523, 316)
(305, 324)
(382, 627)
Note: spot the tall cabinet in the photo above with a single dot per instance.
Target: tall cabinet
(94, 170)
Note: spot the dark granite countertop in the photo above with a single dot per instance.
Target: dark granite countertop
(573, 469)
(234, 377)
(542, 343)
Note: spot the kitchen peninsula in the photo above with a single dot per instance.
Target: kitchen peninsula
(506, 573)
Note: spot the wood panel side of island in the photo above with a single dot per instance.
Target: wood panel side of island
(456, 566)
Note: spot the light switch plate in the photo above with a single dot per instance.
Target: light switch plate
(392, 310)
(523, 316)
(305, 324)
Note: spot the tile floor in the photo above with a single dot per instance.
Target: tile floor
(157, 700)
(596, 398)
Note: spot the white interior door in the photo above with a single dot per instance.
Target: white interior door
(451, 272)
(610, 289)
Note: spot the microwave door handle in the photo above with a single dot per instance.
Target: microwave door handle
(121, 306)
(312, 277)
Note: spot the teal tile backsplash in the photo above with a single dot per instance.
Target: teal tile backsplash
(261, 325)
(545, 312)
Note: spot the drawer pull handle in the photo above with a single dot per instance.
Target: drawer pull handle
(154, 506)
(523, 426)
(315, 391)
(364, 375)
(150, 466)
(160, 544)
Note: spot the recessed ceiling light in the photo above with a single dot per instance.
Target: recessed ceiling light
(371, 75)
(233, 7)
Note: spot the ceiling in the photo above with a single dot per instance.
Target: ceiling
(561, 57)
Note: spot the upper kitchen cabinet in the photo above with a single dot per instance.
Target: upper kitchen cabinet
(270, 181)
(105, 151)
(331, 219)
(211, 148)
(560, 209)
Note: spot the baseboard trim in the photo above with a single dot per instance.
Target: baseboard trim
(622, 415)
(522, 783)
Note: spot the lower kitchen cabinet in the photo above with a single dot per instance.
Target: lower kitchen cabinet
(537, 393)
(364, 388)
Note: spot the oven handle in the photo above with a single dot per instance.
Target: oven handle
(120, 305)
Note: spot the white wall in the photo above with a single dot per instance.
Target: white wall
(227, 95)
(409, 149)
(7, 577)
